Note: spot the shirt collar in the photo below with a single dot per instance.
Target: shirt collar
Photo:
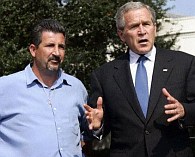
(150, 55)
(31, 78)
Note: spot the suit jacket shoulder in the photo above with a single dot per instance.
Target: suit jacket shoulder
(172, 53)
(124, 58)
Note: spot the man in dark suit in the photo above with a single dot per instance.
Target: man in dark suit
(159, 130)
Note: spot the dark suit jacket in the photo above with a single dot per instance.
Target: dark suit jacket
(133, 135)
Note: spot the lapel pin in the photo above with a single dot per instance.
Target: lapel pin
(165, 70)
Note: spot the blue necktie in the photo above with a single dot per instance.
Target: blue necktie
(141, 84)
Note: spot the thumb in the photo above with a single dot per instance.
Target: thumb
(169, 97)
(99, 103)
(165, 92)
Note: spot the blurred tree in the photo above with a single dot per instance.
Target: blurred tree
(17, 17)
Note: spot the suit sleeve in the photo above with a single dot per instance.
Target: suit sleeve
(189, 107)
(95, 92)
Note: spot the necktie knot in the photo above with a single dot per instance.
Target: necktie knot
(142, 58)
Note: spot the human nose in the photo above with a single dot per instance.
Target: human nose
(56, 51)
(141, 30)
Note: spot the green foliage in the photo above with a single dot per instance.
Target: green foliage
(17, 18)
(90, 26)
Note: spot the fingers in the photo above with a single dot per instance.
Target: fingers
(88, 112)
(172, 102)
(99, 105)
(171, 106)
(94, 115)
(89, 117)
(87, 107)
(90, 126)
(171, 111)
(174, 107)
(175, 117)
(175, 112)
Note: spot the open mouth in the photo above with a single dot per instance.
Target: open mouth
(143, 40)
(55, 61)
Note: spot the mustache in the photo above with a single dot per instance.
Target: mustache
(56, 58)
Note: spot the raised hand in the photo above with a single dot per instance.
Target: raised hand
(174, 107)
(94, 115)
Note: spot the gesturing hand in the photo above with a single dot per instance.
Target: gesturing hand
(174, 107)
(94, 115)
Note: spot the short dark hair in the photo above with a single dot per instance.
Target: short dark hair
(45, 25)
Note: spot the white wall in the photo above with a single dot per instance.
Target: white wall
(186, 27)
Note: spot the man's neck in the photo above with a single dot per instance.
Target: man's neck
(46, 76)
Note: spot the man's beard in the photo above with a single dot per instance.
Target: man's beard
(56, 66)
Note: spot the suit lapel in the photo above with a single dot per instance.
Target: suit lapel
(124, 80)
(162, 70)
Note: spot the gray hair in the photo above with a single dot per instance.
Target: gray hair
(120, 21)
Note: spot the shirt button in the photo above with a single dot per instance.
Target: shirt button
(61, 149)
(147, 132)
(54, 109)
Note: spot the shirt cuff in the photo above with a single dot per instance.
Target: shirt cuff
(98, 133)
